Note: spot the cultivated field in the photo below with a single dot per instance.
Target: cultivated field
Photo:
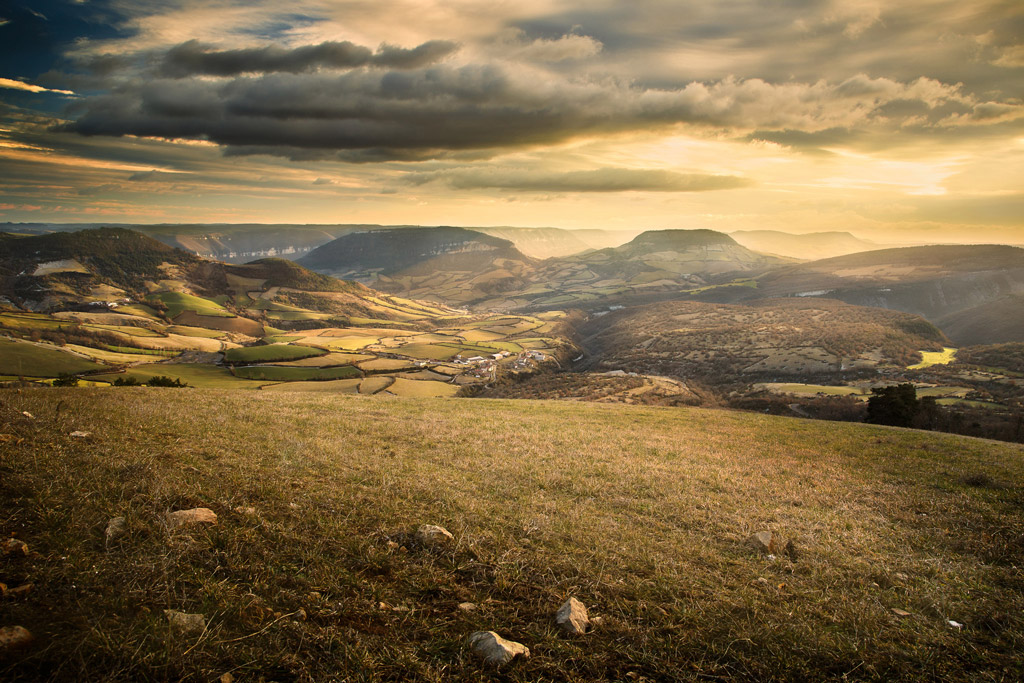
(904, 562)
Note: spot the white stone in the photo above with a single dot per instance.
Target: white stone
(430, 535)
(572, 617)
(495, 650)
(193, 516)
(116, 528)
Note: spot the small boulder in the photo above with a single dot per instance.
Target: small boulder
(14, 637)
(572, 617)
(763, 542)
(13, 546)
(467, 607)
(494, 649)
(189, 517)
(227, 678)
(116, 528)
(430, 535)
(185, 624)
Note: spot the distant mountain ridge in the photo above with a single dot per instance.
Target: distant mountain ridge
(814, 245)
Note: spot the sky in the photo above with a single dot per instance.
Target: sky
(897, 121)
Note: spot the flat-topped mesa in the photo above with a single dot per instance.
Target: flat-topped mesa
(393, 250)
(677, 240)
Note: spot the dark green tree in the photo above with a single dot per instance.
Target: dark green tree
(895, 405)
(66, 379)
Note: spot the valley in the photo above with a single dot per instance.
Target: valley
(685, 317)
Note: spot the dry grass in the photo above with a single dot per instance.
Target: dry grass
(639, 512)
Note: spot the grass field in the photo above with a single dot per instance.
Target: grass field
(270, 353)
(194, 374)
(641, 513)
(929, 358)
(280, 373)
(40, 360)
(179, 302)
(421, 389)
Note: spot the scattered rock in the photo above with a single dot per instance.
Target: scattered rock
(245, 510)
(29, 416)
(13, 546)
(226, 678)
(572, 617)
(494, 649)
(901, 613)
(790, 551)
(185, 623)
(14, 637)
(430, 535)
(116, 528)
(193, 516)
(467, 607)
(77, 434)
(763, 542)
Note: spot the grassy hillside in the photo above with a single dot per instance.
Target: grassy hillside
(781, 337)
(641, 513)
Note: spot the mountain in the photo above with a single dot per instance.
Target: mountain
(468, 268)
(418, 250)
(110, 268)
(942, 283)
(41, 271)
(814, 245)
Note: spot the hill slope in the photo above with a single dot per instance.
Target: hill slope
(643, 514)
(936, 282)
(720, 343)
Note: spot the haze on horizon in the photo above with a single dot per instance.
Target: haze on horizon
(894, 121)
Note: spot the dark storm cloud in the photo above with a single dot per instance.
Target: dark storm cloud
(599, 180)
(194, 58)
(425, 112)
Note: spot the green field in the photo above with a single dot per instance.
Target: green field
(270, 353)
(642, 513)
(178, 302)
(200, 332)
(929, 358)
(194, 374)
(279, 373)
(19, 358)
(427, 351)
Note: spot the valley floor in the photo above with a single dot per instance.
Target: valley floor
(904, 563)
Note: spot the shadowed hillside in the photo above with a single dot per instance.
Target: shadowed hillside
(943, 283)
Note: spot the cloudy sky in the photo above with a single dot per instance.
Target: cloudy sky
(893, 120)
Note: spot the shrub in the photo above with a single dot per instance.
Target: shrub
(165, 381)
